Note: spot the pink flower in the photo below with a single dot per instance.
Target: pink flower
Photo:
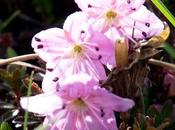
(129, 17)
(78, 105)
(73, 49)
(169, 81)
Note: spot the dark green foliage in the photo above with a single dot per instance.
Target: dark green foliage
(5, 126)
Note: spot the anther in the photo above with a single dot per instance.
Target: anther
(96, 48)
(55, 79)
(64, 106)
(144, 34)
(147, 24)
(99, 57)
(89, 6)
(134, 9)
(102, 112)
(82, 31)
(37, 39)
(50, 69)
(129, 1)
(40, 46)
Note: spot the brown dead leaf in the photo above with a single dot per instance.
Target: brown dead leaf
(158, 40)
(151, 128)
(121, 52)
(35, 86)
(163, 125)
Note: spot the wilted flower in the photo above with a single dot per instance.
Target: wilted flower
(169, 80)
(78, 105)
(73, 49)
(129, 17)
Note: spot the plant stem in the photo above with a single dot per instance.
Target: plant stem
(159, 4)
(28, 94)
(36, 68)
(8, 20)
(142, 100)
(18, 58)
(162, 64)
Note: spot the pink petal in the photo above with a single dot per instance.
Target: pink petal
(99, 24)
(94, 7)
(125, 5)
(42, 103)
(76, 88)
(122, 104)
(50, 82)
(98, 68)
(92, 67)
(93, 120)
(77, 26)
(104, 47)
(45, 44)
(147, 24)
(169, 79)
(112, 101)
(85, 79)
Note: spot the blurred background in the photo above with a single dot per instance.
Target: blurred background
(20, 20)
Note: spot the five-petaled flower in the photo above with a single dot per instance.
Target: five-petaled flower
(79, 105)
(73, 49)
(129, 17)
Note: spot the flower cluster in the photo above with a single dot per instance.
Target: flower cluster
(75, 57)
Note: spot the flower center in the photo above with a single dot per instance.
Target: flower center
(77, 49)
(111, 14)
(79, 103)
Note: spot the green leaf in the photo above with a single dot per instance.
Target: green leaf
(10, 52)
(28, 94)
(4, 105)
(6, 76)
(22, 72)
(9, 114)
(152, 112)
(170, 50)
(41, 127)
(159, 4)
(5, 23)
(167, 109)
(45, 7)
(171, 126)
(5, 126)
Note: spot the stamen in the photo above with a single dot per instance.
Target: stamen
(94, 113)
(79, 102)
(91, 66)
